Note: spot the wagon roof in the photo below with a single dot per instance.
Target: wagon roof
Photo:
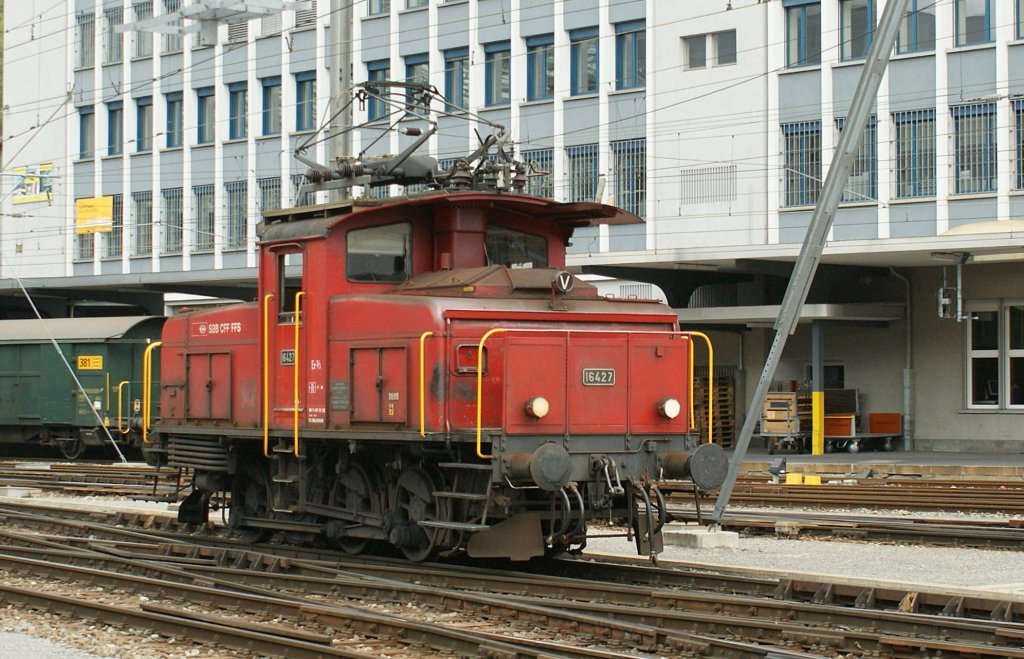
(70, 329)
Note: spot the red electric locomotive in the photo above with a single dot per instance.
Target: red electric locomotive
(422, 372)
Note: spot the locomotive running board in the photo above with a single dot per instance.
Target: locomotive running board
(518, 538)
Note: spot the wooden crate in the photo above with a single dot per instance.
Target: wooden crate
(723, 402)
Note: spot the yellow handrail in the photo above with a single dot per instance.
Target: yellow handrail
(423, 395)
(266, 374)
(147, 387)
(479, 390)
(711, 382)
(120, 389)
(298, 316)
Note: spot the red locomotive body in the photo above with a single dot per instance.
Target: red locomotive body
(422, 372)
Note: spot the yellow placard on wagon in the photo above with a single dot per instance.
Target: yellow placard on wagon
(94, 215)
(90, 362)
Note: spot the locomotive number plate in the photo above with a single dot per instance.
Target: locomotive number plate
(599, 377)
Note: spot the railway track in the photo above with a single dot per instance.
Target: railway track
(135, 481)
(587, 608)
(898, 493)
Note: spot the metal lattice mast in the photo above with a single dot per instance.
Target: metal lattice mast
(817, 231)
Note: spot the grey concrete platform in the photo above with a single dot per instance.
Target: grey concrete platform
(924, 464)
(692, 536)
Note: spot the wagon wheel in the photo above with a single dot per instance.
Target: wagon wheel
(70, 447)
(353, 492)
(250, 500)
(415, 502)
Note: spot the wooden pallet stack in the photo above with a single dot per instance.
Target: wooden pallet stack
(723, 398)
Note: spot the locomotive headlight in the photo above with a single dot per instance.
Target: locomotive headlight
(670, 408)
(538, 407)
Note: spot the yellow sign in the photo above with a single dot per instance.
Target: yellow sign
(94, 215)
(90, 362)
(33, 183)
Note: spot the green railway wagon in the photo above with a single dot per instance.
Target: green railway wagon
(40, 402)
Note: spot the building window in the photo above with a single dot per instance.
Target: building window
(1020, 19)
(175, 119)
(305, 100)
(974, 134)
(172, 220)
(629, 163)
(85, 246)
(857, 20)
(415, 4)
(112, 39)
(862, 183)
(272, 105)
(86, 133)
(1018, 147)
(206, 116)
(582, 164)
(417, 71)
(917, 28)
(915, 153)
(115, 239)
(142, 223)
(725, 47)
(583, 54)
(172, 43)
(238, 110)
(802, 162)
(456, 78)
(143, 11)
(630, 55)
(270, 193)
(983, 356)
(378, 7)
(85, 40)
(377, 71)
(803, 35)
(539, 180)
(696, 51)
(306, 17)
(115, 128)
(203, 210)
(540, 67)
(973, 22)
(497, 69)
(236, 231)
(238, 32)
(307, 198)
(144, 124)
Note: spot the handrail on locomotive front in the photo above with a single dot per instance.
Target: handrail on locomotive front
(568, 332)
(295, 392)
(120, 406)
(147, 388)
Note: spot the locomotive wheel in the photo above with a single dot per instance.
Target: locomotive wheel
(414, 503)
(250, 499)
(353, 492)
(70, 447)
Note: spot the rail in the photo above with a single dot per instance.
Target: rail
(266, 374)
(147, 388)
(496, 330)
(423, 391)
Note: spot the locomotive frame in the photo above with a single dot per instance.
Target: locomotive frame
(434, 380)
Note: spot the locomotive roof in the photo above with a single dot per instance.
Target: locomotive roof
(314, 221)
(73, 329)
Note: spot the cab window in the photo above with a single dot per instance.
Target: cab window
(515, 249)
(378, 254)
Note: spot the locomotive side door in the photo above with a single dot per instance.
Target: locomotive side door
(286, 346)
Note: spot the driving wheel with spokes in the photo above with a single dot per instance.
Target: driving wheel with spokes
(354, 493)
(414, 503)
(250, 500)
